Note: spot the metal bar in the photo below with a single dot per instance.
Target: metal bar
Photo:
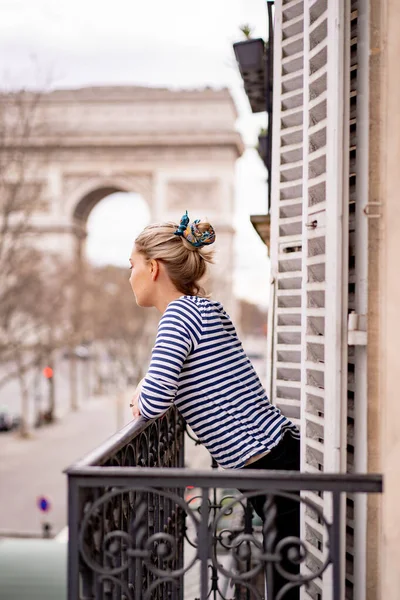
(214, 591)
(203, 544)
(73, 536)
(138, 581)
(269, 540)
(136, 477)
(335, 546)
(248, 529)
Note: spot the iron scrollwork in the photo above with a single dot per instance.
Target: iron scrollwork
(127, 541)
(134, 556)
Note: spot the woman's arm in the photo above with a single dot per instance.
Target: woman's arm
(179, 332)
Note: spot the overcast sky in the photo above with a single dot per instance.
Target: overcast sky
(179, 43)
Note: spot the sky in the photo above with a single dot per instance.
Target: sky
(179, 44)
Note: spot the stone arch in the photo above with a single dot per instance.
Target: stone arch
(85, 195)
(85, 192)
(85, 206)
(108, 139)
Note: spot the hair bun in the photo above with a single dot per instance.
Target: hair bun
(198, 234)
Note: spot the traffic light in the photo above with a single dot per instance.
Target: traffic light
(48, 372)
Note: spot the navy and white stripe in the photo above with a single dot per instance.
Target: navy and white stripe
(198, 363)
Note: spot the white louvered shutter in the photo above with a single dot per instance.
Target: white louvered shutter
(286, 210)
(309, 247)
(324, 297)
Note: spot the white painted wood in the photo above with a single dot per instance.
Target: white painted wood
(286, 217)
(311, 224)
(361, 296)
(274, 239)
(323, 254)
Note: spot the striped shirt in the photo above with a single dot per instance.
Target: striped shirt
(199, 364)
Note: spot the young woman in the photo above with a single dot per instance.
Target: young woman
(198, 363)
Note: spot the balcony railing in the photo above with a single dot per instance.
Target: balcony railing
(141, 526)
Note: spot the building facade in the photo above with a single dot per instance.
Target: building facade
(334, 245)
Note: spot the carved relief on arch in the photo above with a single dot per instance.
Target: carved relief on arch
(191, 194)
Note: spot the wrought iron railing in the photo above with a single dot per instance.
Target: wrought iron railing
(133, 508)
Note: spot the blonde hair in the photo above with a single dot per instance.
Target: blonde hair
(185, 264)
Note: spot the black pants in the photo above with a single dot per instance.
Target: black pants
(284, 457)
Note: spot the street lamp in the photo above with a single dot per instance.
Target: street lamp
(251, 56)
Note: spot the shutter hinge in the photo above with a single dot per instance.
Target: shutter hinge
(357, 329)
(371, 210)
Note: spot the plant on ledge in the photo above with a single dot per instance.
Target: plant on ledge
(247, 31)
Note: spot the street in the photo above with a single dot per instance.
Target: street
(33, 467)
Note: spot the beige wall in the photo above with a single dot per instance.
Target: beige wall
(384, 293)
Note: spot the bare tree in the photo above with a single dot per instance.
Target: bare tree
(122, 330)
(46, 305)
(28, 300)
(34, 322)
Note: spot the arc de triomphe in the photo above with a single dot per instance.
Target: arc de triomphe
(177, 149)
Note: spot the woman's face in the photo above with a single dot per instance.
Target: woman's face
(141, 279)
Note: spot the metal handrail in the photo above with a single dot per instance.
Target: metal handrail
(112, 445)
(248, 479)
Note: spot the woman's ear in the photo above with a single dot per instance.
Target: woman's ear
(154, 269)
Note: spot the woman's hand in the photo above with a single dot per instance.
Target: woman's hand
(135, 400)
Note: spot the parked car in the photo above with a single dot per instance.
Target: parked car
(8, 421)
(79, 351)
